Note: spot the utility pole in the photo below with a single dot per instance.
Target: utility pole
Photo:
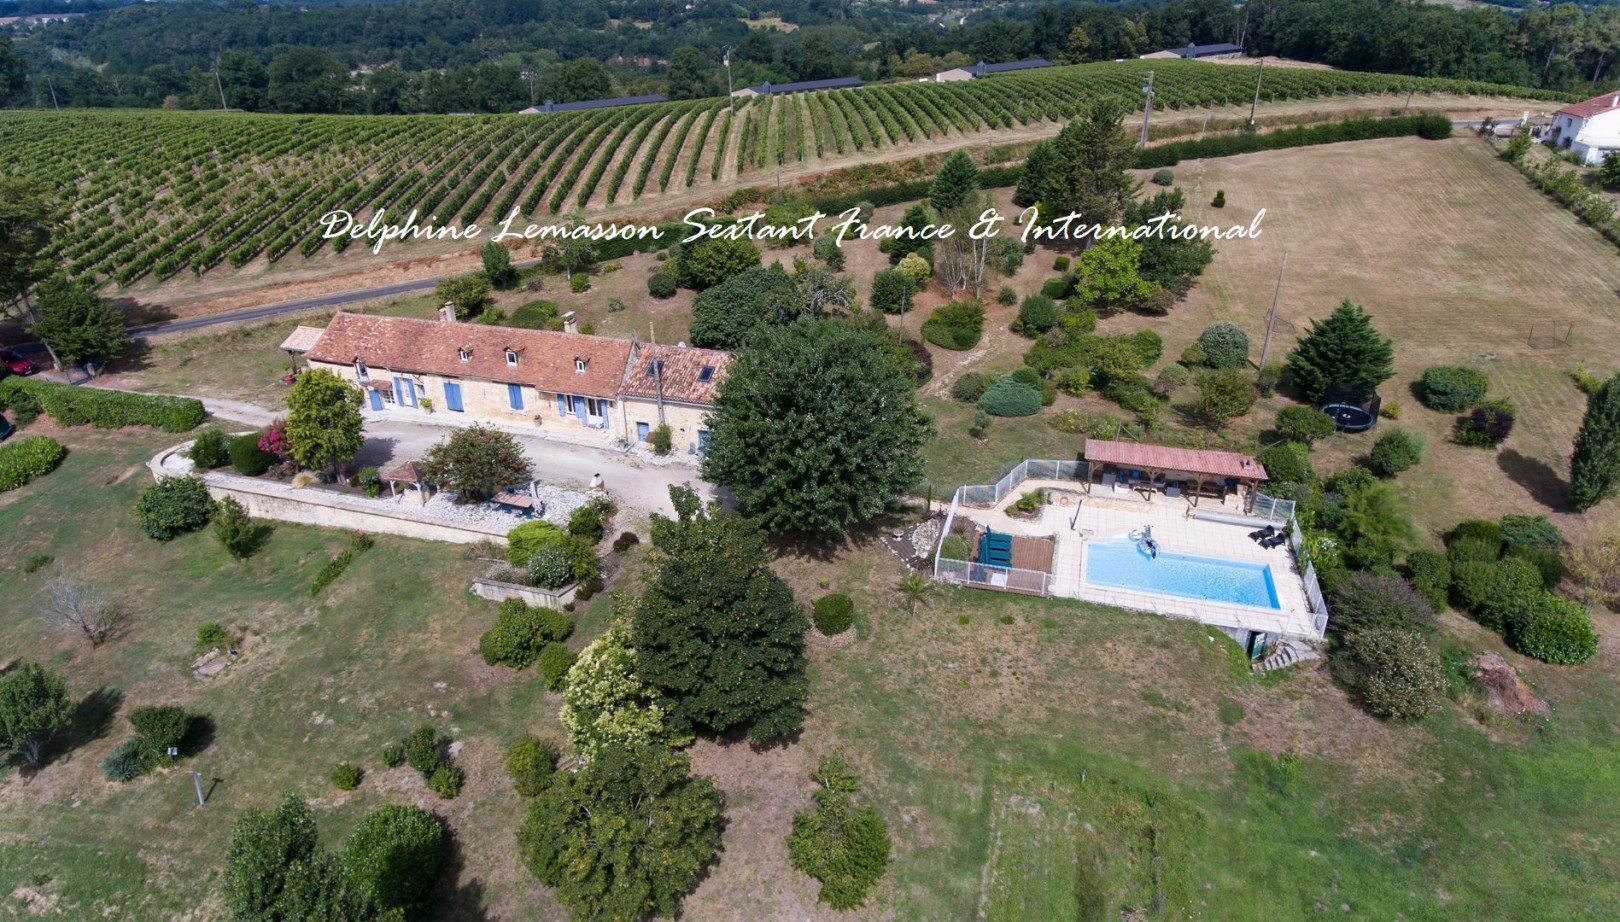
(1256, 101)
(1271, 322)
(52, 84)
(1409, 92)
(725, 56)
(528, 74)
(218, 84)
(1147, 108)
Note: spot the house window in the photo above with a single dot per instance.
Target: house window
(655, 368)
(361, 373)
(706, 374)
(465, 355)
(579, 366)
(511, 357)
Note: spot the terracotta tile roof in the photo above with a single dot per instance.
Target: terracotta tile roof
(1594, 106)
(404, 472)
(684, 378)
(301, 339)
(545, 359)
(1165, 458)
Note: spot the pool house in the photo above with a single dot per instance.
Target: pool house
(1180, 532)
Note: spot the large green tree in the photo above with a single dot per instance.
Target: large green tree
(33, 706)
(624, 837)
(718, 636)
(323, 420)
(688, 73)
(476, 462)
(1166, 261)
(76, 326)
(305, 80)
(13, 70)
(725, 316)
(815, 428)
(1343, 349)
(1088, 174)
(1034, 181)
(956, 184)
(28, 221)
(264, 845)
(393, 856)
(1595, 466)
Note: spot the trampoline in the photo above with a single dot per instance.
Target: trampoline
(1349, 417)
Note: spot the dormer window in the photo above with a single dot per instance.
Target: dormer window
(511, 357)
(361, 373)
(464, 354)
(706, 374)
(579, 365)
(655, 368)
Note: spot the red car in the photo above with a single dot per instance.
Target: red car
(15, 363)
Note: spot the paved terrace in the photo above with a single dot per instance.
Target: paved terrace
(1105, 514)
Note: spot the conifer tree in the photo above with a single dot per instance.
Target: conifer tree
(1034, 180)
(1595, 466)
(956, 183)
(1091, 157)
(1343, 349)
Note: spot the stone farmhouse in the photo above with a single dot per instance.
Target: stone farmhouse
(573, 386)
(1590, 130)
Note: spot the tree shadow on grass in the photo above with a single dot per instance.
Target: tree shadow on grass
(199, 736)
(455, 898)
(1546, 486)
(92, 719)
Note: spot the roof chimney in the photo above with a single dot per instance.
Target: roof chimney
(569, 326)
(447, 313)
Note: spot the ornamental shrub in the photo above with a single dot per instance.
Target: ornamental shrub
(447, 778)
(248, 458)
(104, 409)
(345, 777)
(555, 661)
(1488, 425)
(1396, 674)
(25, 459)
(517, 637)
(1289, 462)
(1219, 200)
(890, 289)
(968, 387)
(956, 325)
(1074, 380)
(661, 439)
(370, 479)
(1225, 345)
(1397, 450)
(579, 283)
(1377, 600)
(1430, 574)
(208, 450)
(661, 285)
(538, 315)
(531, 761)
(1548, 562)
(1009, 397)
(1481, 529)
(524, 540)
(1530, 530)
(393, 755)
(834, 614)
(843, 846)
(394, 855)
(211, 635)
(1007, 295)
(1059, 288)
(549, 566)
(1149, 346)
(1303, 424)
(424, 750)
(126, 763)
(586, 523)
(1453, 388)
(1553, 630)
(173, 506)
(1036, 315)
(1511, 585)
(1163, 177)
(1061, 264)
(1194, 356)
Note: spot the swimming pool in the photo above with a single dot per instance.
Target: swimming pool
(1120, 563)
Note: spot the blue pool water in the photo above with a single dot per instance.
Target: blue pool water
(1120, 563)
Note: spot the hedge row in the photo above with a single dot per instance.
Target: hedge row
(104, 409)
(1429, 125)
(23, 460)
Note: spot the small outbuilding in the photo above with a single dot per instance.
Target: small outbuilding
(1151, 468)
(1196, 52)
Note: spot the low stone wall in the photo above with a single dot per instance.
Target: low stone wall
(267, 500)
(533, 596)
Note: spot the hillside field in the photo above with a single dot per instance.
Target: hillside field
(167, 194)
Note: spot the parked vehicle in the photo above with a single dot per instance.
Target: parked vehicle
(14, 362)
(6, 428)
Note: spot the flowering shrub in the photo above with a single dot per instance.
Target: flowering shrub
(274, 439)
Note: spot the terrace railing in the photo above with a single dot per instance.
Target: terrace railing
(1269, 507)
(984, 575)
(989, 494)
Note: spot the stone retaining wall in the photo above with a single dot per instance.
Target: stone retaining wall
(533, 596)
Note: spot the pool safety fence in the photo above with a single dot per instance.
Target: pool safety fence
(986, 495)
(1270, 507)
(1313, 589)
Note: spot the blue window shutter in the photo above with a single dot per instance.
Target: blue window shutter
(562, 405)
(514, 393)
(376, 399)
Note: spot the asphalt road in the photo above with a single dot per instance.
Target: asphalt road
(270, 310)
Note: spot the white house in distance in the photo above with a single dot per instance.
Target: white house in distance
(1590, 130)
